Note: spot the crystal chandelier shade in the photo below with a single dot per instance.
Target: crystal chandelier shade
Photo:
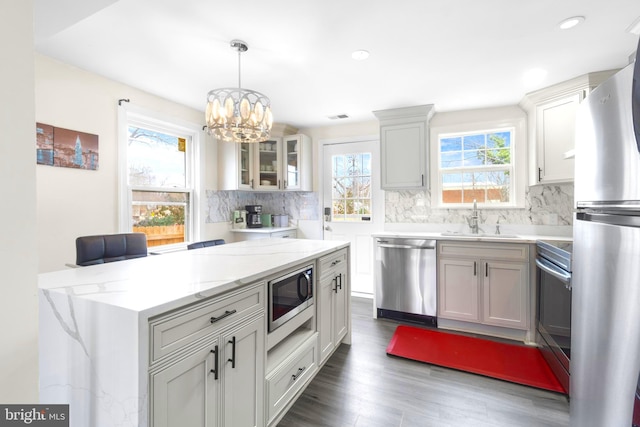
(236, 114)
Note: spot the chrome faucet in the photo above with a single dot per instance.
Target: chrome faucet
(473, 219)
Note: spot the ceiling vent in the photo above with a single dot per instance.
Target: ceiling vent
(338, 117)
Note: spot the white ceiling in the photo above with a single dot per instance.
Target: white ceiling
(456, 54)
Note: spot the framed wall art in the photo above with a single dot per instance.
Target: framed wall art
(66, 148)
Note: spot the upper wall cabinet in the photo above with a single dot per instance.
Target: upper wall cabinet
(279, 164)
(404, 147)
(551, 118)
(235, 166)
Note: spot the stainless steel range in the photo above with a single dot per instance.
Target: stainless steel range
(554, 306)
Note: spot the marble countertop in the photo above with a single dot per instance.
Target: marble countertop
(466, 237)
(263, 230)
(158, 283)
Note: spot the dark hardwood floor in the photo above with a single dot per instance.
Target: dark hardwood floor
(360, 386)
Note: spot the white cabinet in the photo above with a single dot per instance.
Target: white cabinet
(484, 283)
(551, 116)
(186, 393)
(235, 166)
(292, 374)
(555, 132)
(264, 233)
(458, 285)
(210, 359)
(242, 372)
(333, 305)
(404, 147)
(268, 164)
(278, 164)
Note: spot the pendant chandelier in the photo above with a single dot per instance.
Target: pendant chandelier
(236, 114)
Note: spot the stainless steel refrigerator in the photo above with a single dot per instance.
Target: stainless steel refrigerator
(605, 334)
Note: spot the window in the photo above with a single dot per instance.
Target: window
(476, 166)
(159, 180)
(351, 183)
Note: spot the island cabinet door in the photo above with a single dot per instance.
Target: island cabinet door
(326, 287)
(243, 374)
(186, 393)
(458, 282)
(340, 295)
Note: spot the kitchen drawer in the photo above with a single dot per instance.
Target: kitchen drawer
(498, 251)
(285, 381)
(287, 234)
(177, 330)
(332, 261)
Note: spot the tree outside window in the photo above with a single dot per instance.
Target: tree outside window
(476, 166)
(351, 194)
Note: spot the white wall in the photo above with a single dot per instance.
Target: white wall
(18, 258)
(75, 202)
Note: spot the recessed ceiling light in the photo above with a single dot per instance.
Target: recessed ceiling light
(360, 55)
(571, 22)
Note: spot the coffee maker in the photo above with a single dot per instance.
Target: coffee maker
(253, 216)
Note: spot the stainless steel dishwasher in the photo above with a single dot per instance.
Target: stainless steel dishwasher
(405, 279)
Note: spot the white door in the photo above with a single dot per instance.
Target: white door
(354, 204)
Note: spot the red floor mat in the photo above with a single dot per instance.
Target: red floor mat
(509, 362)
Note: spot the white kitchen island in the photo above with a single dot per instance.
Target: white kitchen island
(121, 342)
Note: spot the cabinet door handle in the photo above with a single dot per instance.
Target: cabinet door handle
(215, 363)
(475, 269)
(227, 313)
(335, 281)
(233, 352)
(486, 269)
(278, 184)
(539, 174)
(297, 375)
(422, 179)
(251, 183)
(340, 277)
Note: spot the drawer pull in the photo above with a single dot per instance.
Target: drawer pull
(336, 262)
(233, 352)
(227, 313)
(215, 363)
(297, 374)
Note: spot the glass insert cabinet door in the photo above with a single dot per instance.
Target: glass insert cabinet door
(292, 148)
(245, 165)
(268, 166)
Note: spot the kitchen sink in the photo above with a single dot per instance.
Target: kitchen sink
(479, 235)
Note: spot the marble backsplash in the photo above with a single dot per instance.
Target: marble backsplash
(297, 204)
(550, 205)
(544, 205)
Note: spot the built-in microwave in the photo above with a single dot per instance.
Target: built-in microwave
(289, 295)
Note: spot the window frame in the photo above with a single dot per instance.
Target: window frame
(473, 169)
(359, 218)
(467, 122)
(130, 115)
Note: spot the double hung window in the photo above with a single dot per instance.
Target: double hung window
(476, 166)
(159, 188)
